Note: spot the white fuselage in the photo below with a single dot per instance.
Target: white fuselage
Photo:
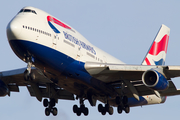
(57, 41)
(40, 28)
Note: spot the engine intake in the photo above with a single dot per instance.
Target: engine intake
(155, 80)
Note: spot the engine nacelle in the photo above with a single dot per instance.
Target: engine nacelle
(3, 89)
(155, 80)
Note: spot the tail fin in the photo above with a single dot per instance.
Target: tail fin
(157, 52)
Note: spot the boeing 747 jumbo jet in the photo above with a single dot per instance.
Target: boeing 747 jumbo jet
(62, 64)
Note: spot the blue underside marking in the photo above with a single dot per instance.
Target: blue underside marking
(54, 59)
(133, 102)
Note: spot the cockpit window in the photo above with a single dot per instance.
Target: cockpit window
(27, 10)
(21, 11)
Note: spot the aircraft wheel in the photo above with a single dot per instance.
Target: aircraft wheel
(47, 111)
(100, 107)
(118, 100)
(82, 107)
(125, 100)
(103, 111)
(111, 111)
(78, 112)
(52, 102)
(54, 111)
(127, 109)
(86, 111)
(75, 107)
(119, 109)
(45, 102)
(107, 107)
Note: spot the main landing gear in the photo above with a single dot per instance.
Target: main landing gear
(105, 109)
(122, 103)
(81, 109)
(50, 107)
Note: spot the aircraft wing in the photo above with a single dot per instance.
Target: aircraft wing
(15, 78)
(131, 75)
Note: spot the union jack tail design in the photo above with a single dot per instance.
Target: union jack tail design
(157, 52)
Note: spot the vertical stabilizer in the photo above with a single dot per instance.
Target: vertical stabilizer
(157, 52)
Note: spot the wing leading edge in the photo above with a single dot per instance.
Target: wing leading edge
(15, 78)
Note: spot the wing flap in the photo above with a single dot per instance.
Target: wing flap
(171, 90)
(13, 87)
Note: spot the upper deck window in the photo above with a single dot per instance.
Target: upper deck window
(27, 10)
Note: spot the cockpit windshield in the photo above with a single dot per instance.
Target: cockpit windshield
(27, 10)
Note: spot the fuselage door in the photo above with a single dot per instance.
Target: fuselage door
(79, 53)
(54, 40)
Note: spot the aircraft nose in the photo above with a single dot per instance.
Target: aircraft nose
(13, 29)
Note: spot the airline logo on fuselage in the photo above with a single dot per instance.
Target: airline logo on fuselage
(79, 42)
(54, 20)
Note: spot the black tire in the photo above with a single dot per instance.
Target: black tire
(54, 111)
(86, 111)
(45, 102)
(127, 109)
(100, 107)
(47, 111)
(119, 109)
(111, 111)
(107, 107)
(52, 102)
(103, 111)
(82, 107)
(75, 108)
(125, 100)
(78, 112)
(118, 100)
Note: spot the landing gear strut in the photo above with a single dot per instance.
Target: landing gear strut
(122, 103)
(81, 109)
(50, 107)
(28, 74)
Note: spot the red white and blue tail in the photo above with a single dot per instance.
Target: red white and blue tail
(157, 52)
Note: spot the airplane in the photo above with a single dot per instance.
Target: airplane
(62, 64)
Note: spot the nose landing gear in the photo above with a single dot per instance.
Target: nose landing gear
(28, 74)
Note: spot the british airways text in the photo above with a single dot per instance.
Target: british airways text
(80, 43)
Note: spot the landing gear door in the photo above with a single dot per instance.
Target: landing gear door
(79, 53)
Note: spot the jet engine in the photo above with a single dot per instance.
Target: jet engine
(155, 80)
(3, 89)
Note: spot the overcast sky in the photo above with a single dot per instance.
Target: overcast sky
(123, 28)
